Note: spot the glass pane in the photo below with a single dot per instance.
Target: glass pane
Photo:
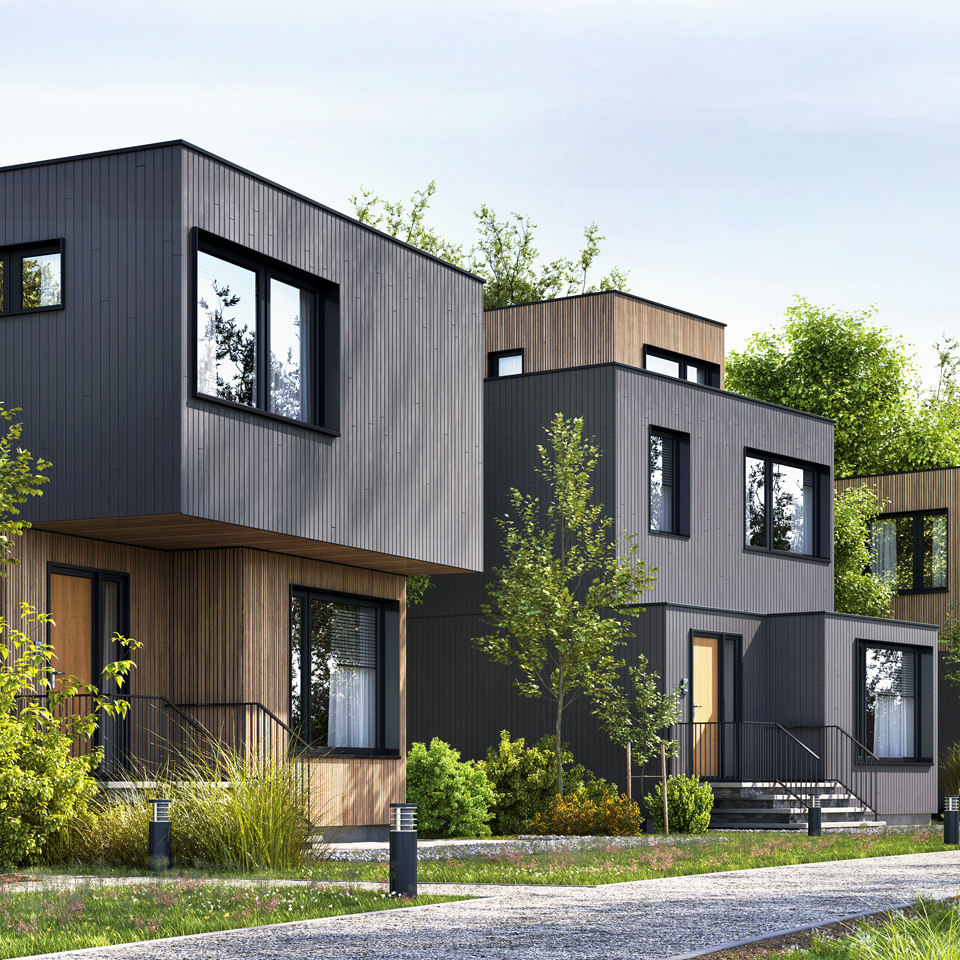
(756, 503)
(698, 374)
(510, 366)
(661, 365)
(904, 527)
(661, 483)
(41, 281)
(935, 551)
(890, 702)
(792, 509)
(290, 310)
(296, 669)
(1, 286)
(883, 543)
(226, 330)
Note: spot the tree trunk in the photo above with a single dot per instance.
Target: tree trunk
(559, 749)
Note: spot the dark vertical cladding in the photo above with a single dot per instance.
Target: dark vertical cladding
(107, 383)
(97, 380)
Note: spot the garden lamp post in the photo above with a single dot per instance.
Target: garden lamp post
(161, 836)
(951, 820)
(814, 815)
(403, 849)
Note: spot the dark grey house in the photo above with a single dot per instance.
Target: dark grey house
(732, 502)
(262, 415)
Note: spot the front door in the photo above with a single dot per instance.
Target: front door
(706, 706)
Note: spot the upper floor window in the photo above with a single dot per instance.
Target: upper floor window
(910, 551)
(263, 337)
(30, 278)
(506, 363)
(783, 506)
(669, 482)
(683, 368)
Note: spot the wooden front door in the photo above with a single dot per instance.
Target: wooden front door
(706, 706)
(72, 636)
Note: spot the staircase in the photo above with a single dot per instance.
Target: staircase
(769, 805)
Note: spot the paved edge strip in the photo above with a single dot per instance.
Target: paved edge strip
(732, 945)
(221, 933)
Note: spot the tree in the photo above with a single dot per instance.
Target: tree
(840, 365)
(18, 482)
(503, 254)
(856, 589)
(563, 593)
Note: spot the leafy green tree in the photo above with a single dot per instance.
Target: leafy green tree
(562, 596)
(504, 253)
(840, 365)
(20, 478)
(417, 586)
(856, 589)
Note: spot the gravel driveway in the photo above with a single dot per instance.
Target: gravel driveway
(643, 919)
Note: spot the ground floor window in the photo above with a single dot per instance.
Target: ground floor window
(335, 677)
(896, 701)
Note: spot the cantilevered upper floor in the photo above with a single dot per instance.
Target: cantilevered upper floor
(210, 359)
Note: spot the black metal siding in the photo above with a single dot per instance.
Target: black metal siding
(97, 381)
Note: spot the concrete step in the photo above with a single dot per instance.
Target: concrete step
(786, 810)
(838, 825)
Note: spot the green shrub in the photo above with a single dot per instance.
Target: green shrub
(579, 816)
(112, 833)
(453, 798)
(525, 781)
(689, 803)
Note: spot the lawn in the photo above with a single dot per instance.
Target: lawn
(603, 861)
(44, 921)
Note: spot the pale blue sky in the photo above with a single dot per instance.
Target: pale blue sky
(733, 152)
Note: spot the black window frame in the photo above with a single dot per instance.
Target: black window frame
(681, 485)
(684, 361)
(324, 391)
(822, 539)
(923, 721)
(15, 254)
(388, 673)
(493, 363)
(917, 532)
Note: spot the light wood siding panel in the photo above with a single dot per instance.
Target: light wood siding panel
(404, 477)
(96, 380)
(597, 328)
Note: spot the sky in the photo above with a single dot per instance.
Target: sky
(734, 153)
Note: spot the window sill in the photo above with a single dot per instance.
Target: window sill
(669, 536)
(895, 762)
(266, 414)
(335, 753)
(23, 312)
(922, 591)
(803, 558)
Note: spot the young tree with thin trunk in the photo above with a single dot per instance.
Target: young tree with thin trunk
(561, 599)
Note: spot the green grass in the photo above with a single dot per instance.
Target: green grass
(600, 861)
(100, 915)
(933, 933)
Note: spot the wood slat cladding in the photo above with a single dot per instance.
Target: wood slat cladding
(215, 625)
(913, 492)
(178, 532)
(598, 328)
(106, 384)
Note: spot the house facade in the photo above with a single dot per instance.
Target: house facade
(915, 542)
(731, 500)
(239, 390)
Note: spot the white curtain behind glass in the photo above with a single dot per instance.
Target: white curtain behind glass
(883, 535)
(353, 677)
(891, 687)
(893, 733)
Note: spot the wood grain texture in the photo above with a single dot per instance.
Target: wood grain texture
(598, 328)
(71, 634)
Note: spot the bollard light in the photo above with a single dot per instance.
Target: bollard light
(161, 836)
(403, 849)
(951, 820)
(814, 816)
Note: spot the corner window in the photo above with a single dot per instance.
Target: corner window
(506, 363)
(681, 367)
(341, 672)
(669, 464)
(910, 551)
(784, 506)
(896, 716)
(31, 278)
(266, 338)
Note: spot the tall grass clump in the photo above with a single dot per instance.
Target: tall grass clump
(950, 770)
(114, 834)
(243, 812)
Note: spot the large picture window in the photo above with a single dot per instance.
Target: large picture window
(783, 506)
(31, 278)
(896, 709)
(264, 338)
(343, 673)
(669, 464)
(910, 551)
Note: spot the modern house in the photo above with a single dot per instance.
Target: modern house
(262, 416)
(916, 544)
(731, 499)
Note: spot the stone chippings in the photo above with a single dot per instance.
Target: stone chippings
(654, 919)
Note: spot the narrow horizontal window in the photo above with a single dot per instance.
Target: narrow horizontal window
(505, 363)
(31, 278)
(676, 365)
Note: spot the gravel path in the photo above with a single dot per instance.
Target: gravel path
(654, 919)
